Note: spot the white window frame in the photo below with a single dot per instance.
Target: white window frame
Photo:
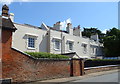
(55, 48)
(31, 42)
(69, 45)
(35, 38)
(84, 48)
(93, 50)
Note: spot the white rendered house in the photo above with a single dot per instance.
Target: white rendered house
(53, 40)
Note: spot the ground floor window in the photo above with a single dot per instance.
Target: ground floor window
(31, 42)
(57, 44)
(70, 44)
(84, 48)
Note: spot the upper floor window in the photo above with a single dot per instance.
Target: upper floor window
(31, 42)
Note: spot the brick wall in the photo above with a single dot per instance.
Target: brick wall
(24, 68)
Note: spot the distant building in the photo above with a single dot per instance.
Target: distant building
(53, 40)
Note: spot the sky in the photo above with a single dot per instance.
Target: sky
(101, 15)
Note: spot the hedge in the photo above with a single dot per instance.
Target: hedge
(46, 55)
(101, 62)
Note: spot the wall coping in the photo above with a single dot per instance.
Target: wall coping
(101, 67)
(49, 59)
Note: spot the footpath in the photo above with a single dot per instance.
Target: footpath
(69, 79)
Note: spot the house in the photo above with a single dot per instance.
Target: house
(54, 40)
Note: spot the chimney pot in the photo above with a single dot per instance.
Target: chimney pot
(5, 10)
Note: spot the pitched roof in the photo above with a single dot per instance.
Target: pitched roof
(8, 24)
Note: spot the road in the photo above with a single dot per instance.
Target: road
(105, 77)
(111, 77)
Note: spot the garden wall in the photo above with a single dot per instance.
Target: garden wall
(20, 67)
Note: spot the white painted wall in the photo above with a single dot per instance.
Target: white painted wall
(20, 38)
(45, 42)
(78, 41)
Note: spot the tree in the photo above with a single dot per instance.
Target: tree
(92, 31)
(112, 43)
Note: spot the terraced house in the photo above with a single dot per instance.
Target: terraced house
(54, 40)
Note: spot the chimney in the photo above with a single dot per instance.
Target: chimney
(57, 26)
(77, 31)
(95, 37)
(5, 10)
(69, 28)
(12, 17)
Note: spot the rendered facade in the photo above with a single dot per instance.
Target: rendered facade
(53, 40)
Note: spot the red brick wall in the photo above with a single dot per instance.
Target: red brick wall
(23, 68)
(78, 67)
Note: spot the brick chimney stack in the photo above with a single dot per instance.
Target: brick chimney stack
(5, 10)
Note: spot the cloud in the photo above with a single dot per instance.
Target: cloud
(25, 0)
(10, 1)
(68, 20)
(104, 31)
(65, 22)
(6, 2)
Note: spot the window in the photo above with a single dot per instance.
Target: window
(57, 44)
(93, 50)
(70, 45)
(31, 42)
(84, 48)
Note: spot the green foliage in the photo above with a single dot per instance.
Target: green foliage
(88, 32)
(112, 43)
(46, 55)
(103, 60)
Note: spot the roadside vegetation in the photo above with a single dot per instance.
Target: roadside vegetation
(103, 60)
(46, 55)
(111, 40)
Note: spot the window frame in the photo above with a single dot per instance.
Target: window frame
(55, 48)
(33, 37)
(84, 48)
(69, 45)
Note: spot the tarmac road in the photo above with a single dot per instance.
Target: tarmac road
(111, 77)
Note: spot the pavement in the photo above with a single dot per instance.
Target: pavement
(70, 79)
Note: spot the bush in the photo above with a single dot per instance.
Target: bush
(45, 55)
(103, 60)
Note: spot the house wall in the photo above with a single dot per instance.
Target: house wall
(20, 38)
(54, 35)
(45, 42)
(77, 44)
